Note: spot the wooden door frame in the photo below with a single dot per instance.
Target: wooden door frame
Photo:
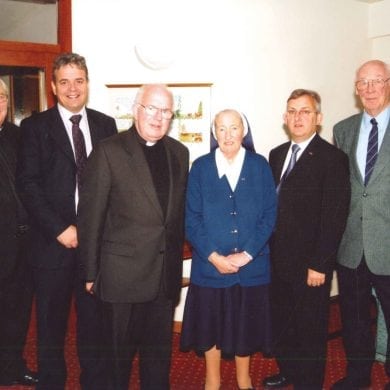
(40, 55)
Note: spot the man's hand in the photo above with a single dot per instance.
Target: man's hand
(88, 287)
(68, 238)
(314, 278)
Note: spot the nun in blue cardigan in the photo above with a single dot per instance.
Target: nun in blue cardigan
(230, 215)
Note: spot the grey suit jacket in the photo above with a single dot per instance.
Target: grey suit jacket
(129, 249)
(368, 225)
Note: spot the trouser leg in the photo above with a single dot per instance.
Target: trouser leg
(53, 298)
(16, 293)
(355, 304)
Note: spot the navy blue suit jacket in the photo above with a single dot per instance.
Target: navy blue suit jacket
(312, 209)
(46, 180)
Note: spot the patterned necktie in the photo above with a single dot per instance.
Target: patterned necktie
(79, 145)
(293, 159)
(372, 150)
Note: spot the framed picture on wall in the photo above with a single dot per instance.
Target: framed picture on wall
(191, 122)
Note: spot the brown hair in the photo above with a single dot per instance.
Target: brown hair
(69, 59)
(297, 93)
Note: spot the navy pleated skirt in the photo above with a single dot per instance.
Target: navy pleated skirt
(235, 319)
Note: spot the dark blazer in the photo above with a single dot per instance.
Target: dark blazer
(11, 211)
(127, 246)
(313, 207)
(46, 180)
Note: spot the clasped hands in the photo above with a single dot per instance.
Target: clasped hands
(229, 264)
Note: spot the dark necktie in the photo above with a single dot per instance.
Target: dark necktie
(372, 150)
(79, 145)
(293, 159)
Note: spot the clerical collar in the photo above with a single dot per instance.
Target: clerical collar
(143, 141)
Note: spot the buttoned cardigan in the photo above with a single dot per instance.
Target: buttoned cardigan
(219, 219)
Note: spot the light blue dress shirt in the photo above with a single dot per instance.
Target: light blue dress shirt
(365, 128)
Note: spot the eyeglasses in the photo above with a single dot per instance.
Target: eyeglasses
(301, 113)
(3, 98)
(150, 110)
(363, 84)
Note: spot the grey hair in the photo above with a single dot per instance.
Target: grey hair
(297, 93)
(4, 87)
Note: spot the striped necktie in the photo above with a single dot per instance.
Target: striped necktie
(79, 145)
(372, 150)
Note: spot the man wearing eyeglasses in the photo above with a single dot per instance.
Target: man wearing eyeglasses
(131, 216)
(364, 254)
(312, 180)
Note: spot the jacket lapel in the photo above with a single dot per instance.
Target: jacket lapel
(309, 152)
(173, 179)
(383, 156)
(280, 162)
(353, 137)
(93, 128)
(56, 129)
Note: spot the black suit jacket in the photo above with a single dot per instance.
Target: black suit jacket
(11, 211)
(46, 180)
(312, 210)
(129, 249)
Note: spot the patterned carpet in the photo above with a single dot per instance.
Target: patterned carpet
(188, 369)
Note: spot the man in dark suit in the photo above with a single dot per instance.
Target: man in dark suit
(312, 210)
(15, 278)
(364, 254)
(48, 176)
(131, 218)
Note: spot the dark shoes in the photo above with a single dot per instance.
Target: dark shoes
(27, 378)
(349, 384)
(276, 382)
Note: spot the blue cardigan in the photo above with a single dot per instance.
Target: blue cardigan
(218, 219)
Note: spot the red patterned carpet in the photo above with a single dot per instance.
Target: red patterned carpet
(188, 370)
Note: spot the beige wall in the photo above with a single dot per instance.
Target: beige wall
(254, 51)
(379, 30)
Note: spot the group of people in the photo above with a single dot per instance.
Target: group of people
(100, 218)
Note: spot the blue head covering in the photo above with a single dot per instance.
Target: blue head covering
(247, 141)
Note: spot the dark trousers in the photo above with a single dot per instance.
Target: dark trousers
(355, 287)
(145, 328)
(300, 328)
(54, 291)
(15, 302)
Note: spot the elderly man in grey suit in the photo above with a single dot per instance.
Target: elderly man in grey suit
(364, 253)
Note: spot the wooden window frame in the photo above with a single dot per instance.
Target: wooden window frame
(39, 55)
